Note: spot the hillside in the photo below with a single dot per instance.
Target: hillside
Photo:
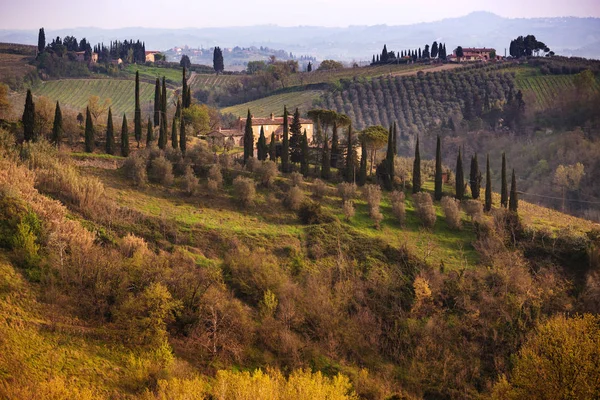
(304, 100)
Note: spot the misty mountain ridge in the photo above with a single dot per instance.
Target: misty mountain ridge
(568, 36)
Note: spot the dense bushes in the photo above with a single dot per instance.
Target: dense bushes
(451, 212)
(424, 209)
(244, 190)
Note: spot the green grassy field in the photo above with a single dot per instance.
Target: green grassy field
(172, 75)
(74, 93)
(274, 104)
(209, 81)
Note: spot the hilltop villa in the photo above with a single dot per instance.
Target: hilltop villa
(151, 56)
(476, 54)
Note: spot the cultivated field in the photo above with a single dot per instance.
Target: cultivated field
(546, 88)
(13, 67)
(274, 104)
(209, 81)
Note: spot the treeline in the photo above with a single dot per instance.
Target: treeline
(437, 51)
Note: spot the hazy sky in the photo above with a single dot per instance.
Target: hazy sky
(56, 14)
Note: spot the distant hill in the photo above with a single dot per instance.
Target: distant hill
(566, 36)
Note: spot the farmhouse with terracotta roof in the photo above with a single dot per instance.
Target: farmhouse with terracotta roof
(274, 125)
(476, 54)
(151, 55)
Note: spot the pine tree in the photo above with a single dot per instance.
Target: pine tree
(124, 137)
(89, 132)
(488, 186)
(514, 200)
(335, 146)
(475, 177)
(157, 103)
(184, 90)
(110, 134)
(504, 187)
(137, 118)
(149, 133)
(29, 118)
(285, 150)
(272, 149)
(416, 181)
(248, 138)
(438, 169)
(460, 177)
(349, 170)
(182, 136)
(389, 159)
(305, 150)
(362, 172)
(326, 160)
(261, 147)
(174, 134)
(41, 40)
(57, 126)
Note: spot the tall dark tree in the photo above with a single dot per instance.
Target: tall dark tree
(460, 177)
(514, 200)
(438, 170)
(305, 155)
(57, 126)
(174, 134)
(434, 50)
(475, 177)
(157, 103)
(184, 90)
(326, 161)
(162, 138)
(248, 138)
(124, 137)
(504, 187)
(272, 148)
(349, 167)
(137, 117)
(89, 132)
(149, 133)
(335, 145)
(182, 136)
(178, 109)
(185, 61)
(309, 67)
(296, 138)
(41, 40)
(29, 118)
(488, 186)
(261, 146)
(110, 134)
(459, 52)
(188, 96)
(285, 150)
(389, 158)
(416, 179)
(218, 63)
(362, 172)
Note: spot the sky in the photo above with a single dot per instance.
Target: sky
(58, 14)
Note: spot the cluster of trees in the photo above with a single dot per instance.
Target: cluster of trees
(436, 51)
(528, 46)
(60, 47)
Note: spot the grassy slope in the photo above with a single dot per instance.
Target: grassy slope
(274, 104)
(14, 66)
(74, 93)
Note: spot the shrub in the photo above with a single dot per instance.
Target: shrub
(347, 191)
(474, 209)
(319, 189)
(253, 164)
(189, 183)
(245, 190)
(135, 170)
(372, 195)
(175, 157)
(348, 209)
(398, 206)
(452, 212)
(296, 179)
(214, 174)
(311, 213)
(161, 171)
(424, 209)
(225, 161)
(267, 172)
(294, 198)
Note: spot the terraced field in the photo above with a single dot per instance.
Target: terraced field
(209, 81)
(546, 88)
(173, 76)
(274, 104)
(74, 93)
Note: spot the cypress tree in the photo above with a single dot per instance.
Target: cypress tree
(110, 134)
(285, 150)
(272, 149)
(29, 118)
(157, 103)
(362, 173)
(488, 186)
(41, 40)
(504, 187)
(460, 177)
(184, 90)
(296, 138)
(261, 146)
(149, 133)
(438, 170)
(305, 150)
(189, 96)
(178, 109)
(124, 138)
(475, 177)
(57, 126)
(335, 146)
(514, 200)
(326, 161)
(389, 159)
(349, 173)
(137, 118)
(416, 180)
(174, 134)
(162, 138)
(248, 138)
(182, 136)
(89, 131)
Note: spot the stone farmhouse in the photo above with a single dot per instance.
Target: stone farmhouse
(150, 55)
(81, 57)
(471, 54)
